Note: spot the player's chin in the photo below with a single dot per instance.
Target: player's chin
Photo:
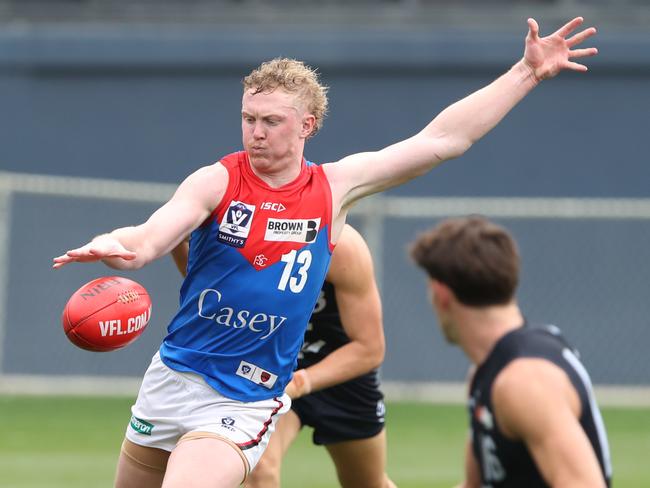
(257, 153)
(260, 159)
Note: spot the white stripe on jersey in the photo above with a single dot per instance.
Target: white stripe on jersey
(595, 412)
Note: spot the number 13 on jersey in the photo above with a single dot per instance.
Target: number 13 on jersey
(299, 260)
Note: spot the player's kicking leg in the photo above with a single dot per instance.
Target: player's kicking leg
(213, 440)
(267, 472)
(361, 463)
(199, 460)
(204, 460)
(140, 467)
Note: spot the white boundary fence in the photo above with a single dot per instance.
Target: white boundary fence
(372, 211)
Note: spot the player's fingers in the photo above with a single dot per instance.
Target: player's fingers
(58, 262)
(97, 255)
(569, 27)
(64, 259)
(533, 29)
(581, 53)
(581, 36)
(80, 253)
(126, 255)
(576, 66)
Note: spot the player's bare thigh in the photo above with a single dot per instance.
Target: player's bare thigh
(361, 463)
(201, 459)
(267, 472)
(140, 466)
(205, 460)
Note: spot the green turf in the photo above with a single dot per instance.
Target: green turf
(48, 442)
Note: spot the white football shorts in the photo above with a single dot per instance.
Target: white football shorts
(171, 403)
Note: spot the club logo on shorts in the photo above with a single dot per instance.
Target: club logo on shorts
(141, 426)
(381, 410)
(256, 374)
(292, 230)
(236, 224)
(229, 421)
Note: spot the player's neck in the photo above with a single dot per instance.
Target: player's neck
(483, 327)
(277, 173)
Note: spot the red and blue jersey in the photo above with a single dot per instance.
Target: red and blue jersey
(255, 270)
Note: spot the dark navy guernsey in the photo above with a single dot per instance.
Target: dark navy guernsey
(506, 463)
(346, 411)
(325, 331)
(255, 269)
(325, 334)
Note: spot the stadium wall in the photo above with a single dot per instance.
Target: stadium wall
(113, 105)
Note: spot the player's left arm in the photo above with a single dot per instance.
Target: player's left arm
(352, 274)
(544, 413)
(452, 132)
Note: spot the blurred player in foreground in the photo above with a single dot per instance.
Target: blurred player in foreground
(534, 420)
(263, 224)
(335, 389)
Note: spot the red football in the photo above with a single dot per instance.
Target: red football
(106, 314)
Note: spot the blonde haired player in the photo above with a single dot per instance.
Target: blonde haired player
(335, 389)
(263, 223)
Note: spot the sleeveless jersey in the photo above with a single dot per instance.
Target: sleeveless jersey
(255, 269)
(324, 335)
(507, 463)
(325, 332)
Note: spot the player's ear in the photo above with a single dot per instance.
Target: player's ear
(308, 125)
(441, 295)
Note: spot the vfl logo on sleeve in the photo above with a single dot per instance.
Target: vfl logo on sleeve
(292, 230)
(236, 224)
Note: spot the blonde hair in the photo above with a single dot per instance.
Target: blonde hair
(294, 77)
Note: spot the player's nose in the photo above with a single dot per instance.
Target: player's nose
(258, 131)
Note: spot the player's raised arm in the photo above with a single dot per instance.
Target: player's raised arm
(544, 414)
(457, 127)
(133, 247)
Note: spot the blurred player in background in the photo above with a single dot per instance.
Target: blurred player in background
(534, 420)
(335, 389)
(263, 223)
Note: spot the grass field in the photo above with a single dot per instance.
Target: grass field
(64, 442)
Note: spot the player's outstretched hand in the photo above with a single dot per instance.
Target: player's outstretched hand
(96, 250)
(547, 56)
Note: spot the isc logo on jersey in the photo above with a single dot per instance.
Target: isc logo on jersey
(292, 230)
(236, 224)
(275, 207)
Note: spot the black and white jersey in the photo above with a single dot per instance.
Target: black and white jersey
(507, 463)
